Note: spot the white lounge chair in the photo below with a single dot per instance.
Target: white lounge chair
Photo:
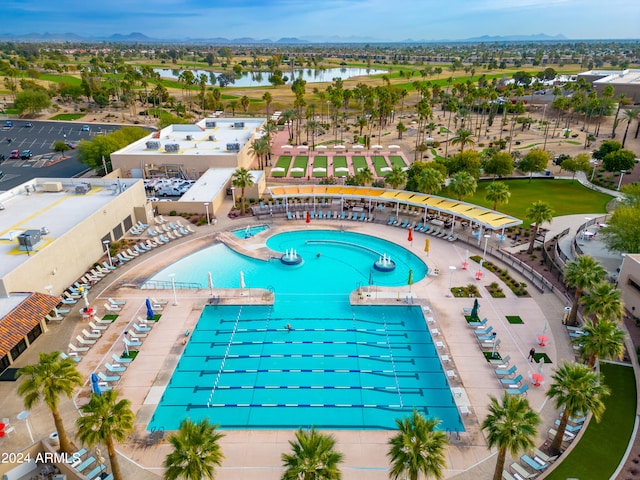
(155, 301)
(75, 349)
(190, 229)
(57, 318)
(112, 308)
(131, 253)
(88, 334)
(97, 327)
(139, 328)
(137, 335)
(132, 343)
(64, 356)
(84, 341)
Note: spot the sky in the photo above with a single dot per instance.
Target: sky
(382, 20)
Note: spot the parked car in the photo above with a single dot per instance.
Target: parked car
(28, 125)
(71, 145)
(85, 128)
(8, 124)
(169, 191)
(14, 154)
(26, 154)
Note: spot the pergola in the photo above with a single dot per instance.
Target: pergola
(484, 217)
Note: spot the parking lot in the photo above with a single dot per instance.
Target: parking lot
(39, 138)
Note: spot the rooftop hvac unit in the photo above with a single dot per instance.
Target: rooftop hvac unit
(83, 188)
(153, 145)
(210, 124)
(172, 147)
(29, 239)
(233, 147)
(212, 138)
(238, 124)
(189, 137)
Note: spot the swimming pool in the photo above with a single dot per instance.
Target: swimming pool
(339, 366)
(249, 231)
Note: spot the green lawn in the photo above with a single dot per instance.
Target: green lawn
(379, 162)
(67, 116)
(53, 77)
(566, 197)
(340, 161)
(284, 161)
(397, 160)
(299, 168)
(603, 444)
(320, 162)
(359, 162)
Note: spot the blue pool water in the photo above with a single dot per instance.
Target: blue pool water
(249, 232)
(338, 366)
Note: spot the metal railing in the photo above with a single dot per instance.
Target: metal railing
(167, 285)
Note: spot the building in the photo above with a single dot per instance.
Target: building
(625, 82)
(629, 283)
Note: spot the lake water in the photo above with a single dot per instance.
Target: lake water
(261, 79)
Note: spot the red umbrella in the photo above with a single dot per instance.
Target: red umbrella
(410, 237)
(542, 340)
(308, 220)
(537, 378)
(465, 265)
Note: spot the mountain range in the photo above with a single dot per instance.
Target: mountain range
(137, 37)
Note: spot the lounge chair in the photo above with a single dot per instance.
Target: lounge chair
(97, 274)
(543, 456)
(481, 323)
(151, 244)
(75, 349)
(84, 341)
(64, 311)
(173, 226)
(160, 219)
(110, 378)
(435, 231)
(64, 356)
(131, 253)
(151, 232)
(69, 301)
(536, 465)
(171, 236)
(371, 217)
(144, 322)
(118, 359)
(102, 270)
(77, 457)
(106, 265)
(490, 344)
(518, 391)
(570, 428)
(90, 334)
(132, 343)
(116, 302)
(505, 373)
(164, 238)
(112, 308)
(507, 476)
(138, 250)
(404, 224)
(501, 362)
(391, 221)
(144, 246)
(139, 328)
(137, 335)
(519, 469)
(97, 319)
(452, 238)
(57, 318)
(155, 301)
(135, 231)
(71, 295)
(485, 331)
(183, 232)
(86, 464)
(412, 226)
(512, 381)
(566, 438)
(114, 368)
(122, 258)
(362, 217)
(190, 229)
(97, 327)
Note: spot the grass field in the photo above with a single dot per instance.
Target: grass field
(340, 161)
(52, 77)
(397, 160)
(359, 163)
(299, 168)
(283, 162)
(603, 444)
(67, 116)
(319, 162)
(379, 162)
(566, 197)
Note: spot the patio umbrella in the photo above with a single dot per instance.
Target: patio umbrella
(302, 147)
(376, 147)
(308, 220)
(323, 147)
(149, 310)
(83, 292)
(95, 386)
(242, 284)
(474, 310)
(286, 146)
(358, 147)
(426, 245)
(410, 279)
(210, 282)
(410, 236)
(394, 147)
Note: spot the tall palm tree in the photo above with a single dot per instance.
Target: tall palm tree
(583, 274)
(602, 339)
(313, 457)
(364, 176)
(463, 138)
(462, 184)
(627, 116)
(242, 179)
(604, 301)
(511, 428)
(268, 98)
(577, 389)
(46, 381)
(498, 192)
(196, 451)
(106, 420)
(417, 448)
(430, 181)
(538, 213)
(396, 177)
(260, 147)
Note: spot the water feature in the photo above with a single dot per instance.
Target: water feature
(291, 257)
(261, 79)
(384, 264)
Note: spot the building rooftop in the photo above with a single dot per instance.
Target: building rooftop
(49, 207)
(211, 183)
(615, 77)
(211, 136)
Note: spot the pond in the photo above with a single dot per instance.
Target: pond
(261, 79)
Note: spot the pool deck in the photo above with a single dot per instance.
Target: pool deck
(258, 452)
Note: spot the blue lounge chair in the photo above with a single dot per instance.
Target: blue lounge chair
(118, 359)
(136, 248)
(485, 338)
(140, 328)
(289, 217)
(404, 225)
(132, 343)
(106, 265)
(486, 331)
(110, 378)
(95, 472)
(501, 362)
(569, 427)
(362, 217)
(76, 458)
(116, 302)
(518, 391)
(506, 372)
(68, 301)
(64, 356)
(342, 216)
(391, 221)
(511, 381)
(114, 368)
(533, 464)
(122, 258)
(86, 464)
(481, 323)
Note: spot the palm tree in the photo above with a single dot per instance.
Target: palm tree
(627, 116)
(583, 274)
(242, 179)
(196, 451)
(430, 181)
(401, 128)
(46, 381)
(511, 427)
(604, 301)
(602, 339)
(463, 137)
(268, 98)
(498, 192)
(261, 148)
(364, 176)
(538, 213)
(106, 420)
(417, 448)
(463, 183)
(313, 458)
(396, 177)
(578, 390)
